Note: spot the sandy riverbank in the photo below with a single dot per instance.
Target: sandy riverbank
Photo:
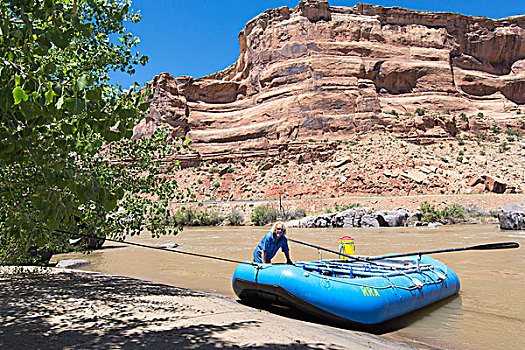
(57, 309)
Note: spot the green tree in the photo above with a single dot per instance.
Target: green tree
(67, 161)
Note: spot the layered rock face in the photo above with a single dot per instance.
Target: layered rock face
(333, 73)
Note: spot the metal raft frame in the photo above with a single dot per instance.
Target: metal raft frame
(362, 270)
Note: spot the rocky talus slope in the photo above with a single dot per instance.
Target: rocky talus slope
(311, 80)
(377, 165)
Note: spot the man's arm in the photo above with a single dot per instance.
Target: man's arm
(263, 257)
(288, 260)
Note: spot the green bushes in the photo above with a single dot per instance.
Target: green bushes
(449, 214)
(266, 214)
(235, 218)
(263, 215)
(260, 216)
(511, 132)
(191, 217)
(346, 206)
(420, 111)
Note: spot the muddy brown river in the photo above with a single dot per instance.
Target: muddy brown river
(489, 312)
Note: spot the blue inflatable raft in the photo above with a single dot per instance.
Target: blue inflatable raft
(349, 292)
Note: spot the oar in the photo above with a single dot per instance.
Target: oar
(489, 246)
(355, 258)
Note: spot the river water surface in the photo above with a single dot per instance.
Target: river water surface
(489, 312)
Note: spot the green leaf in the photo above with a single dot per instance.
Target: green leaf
(111, 136)
(30, 110)
(19, 95)
(67, 129)
(109, 203)
(49, 97)
(6, 148)
(119, 192)
(60, 102)
(82, 82)
(59, 39)
(94, 95)
(75, 105)
(144, 106)
(57, 89)
(50, 68)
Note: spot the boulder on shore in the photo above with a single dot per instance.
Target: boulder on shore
(348, 218)
(72, 263)
(512, 217)
(359, 217)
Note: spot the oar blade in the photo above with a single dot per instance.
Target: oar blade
(502, 245)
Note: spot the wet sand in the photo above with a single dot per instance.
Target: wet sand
(64, 309)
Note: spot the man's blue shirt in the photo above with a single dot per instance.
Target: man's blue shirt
(271, 246)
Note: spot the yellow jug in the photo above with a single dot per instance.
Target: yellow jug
(346, 246)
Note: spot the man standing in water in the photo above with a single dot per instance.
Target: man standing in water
(270, 244)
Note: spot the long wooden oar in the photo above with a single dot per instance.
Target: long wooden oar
(489, 246)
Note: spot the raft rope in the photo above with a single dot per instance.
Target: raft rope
(391, 284)
(62, 233)
(69, 234)
(417, 284)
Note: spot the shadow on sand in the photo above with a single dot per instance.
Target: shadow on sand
(76, 311)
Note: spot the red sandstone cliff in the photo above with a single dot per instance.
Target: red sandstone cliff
(321, 72)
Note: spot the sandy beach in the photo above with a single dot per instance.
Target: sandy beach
(67, 309)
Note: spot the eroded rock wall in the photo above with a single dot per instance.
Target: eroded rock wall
(334, 72)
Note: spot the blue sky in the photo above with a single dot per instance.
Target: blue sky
(199, 37)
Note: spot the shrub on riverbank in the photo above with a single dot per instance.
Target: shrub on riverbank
(191, 217)
(430, 213)
(453, 214)
(235, 218)
(263, 215)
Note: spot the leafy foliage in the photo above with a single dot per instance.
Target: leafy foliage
(190, 217)
(263, 215)
(67, 161)
(346, 206)
(450, 213)
(236, 217)
(420, 111)
(516, 133)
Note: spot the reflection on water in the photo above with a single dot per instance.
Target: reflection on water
(489, 312)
